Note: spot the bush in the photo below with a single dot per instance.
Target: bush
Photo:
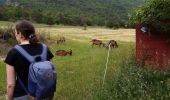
(154, 13)
(7, 33)
(12, 41)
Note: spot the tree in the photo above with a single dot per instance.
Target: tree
(154, 13)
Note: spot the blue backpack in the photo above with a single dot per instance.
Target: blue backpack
(42, 74)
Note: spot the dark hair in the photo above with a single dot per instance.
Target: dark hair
(27, 30)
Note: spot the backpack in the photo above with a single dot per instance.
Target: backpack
(42, 74)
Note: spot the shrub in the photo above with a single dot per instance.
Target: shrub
(154, 13)
(7, 32)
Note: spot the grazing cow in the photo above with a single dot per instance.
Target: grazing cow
(97, 42)
(63, 52)
(112, 43)
(61, 40)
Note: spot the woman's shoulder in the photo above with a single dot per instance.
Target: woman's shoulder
(11, 56)
(12, 51)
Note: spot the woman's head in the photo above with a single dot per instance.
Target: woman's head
(25, 31)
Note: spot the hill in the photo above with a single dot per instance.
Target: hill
(93, 12)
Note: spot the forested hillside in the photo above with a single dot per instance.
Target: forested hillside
(112, 13)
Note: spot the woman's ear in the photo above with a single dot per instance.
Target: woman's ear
(16, 33)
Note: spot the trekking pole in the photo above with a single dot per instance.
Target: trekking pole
(106, 65)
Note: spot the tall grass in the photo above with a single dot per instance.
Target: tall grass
(133, 83)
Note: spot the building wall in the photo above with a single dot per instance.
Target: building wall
(152, 49)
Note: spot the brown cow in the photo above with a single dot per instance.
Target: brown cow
(97, 42)
(61, 40)
(63, 52)
(112, 43)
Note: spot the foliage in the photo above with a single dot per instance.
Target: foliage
(70, 12)
(155, 13)
(134, 83)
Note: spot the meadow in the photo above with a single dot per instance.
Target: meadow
(80, 76)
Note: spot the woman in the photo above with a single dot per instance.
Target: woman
(17, 65)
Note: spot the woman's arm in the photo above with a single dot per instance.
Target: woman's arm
(10, 81)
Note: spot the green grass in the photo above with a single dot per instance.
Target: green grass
(2, 78)
(80, 75)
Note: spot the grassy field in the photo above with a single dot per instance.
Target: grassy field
(80, 76)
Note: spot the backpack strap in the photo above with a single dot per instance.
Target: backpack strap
(24, 53)
(44, 52)
(30, 58)
(23, 86)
